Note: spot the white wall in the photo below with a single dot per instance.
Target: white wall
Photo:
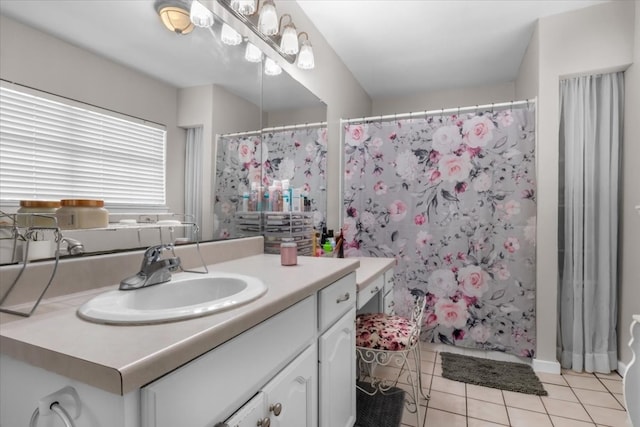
(32, 58)
(442, 99)
(590, 40)
(629, 255)
(297, 116)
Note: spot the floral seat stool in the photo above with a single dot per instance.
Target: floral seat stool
(385, 340)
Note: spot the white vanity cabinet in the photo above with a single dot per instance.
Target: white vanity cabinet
(337, 362)
(388, 304)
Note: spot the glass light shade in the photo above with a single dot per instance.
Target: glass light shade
(200, 15)
(271, 68)
(268, 20)
(305, 57)
(230, 36)
(245, 7)
(252, 53)
(289, 41)
(176, 19)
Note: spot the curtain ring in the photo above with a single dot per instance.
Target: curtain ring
(492, 108)
(511, 109)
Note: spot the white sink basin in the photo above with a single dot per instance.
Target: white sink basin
(186, 296)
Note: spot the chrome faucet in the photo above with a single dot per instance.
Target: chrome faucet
(154, 270)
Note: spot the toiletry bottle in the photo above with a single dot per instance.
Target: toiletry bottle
(286, 196)
(296, 200)
(265, 201)
(288, 251)
(259, 198)
(272, 196)
(245, 201)
(253, 197)
(277, 196)
(340, 244)
(328, 249)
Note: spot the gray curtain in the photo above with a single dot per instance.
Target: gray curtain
(193, 179)
(590, 140)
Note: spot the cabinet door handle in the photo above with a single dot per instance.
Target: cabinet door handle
(265, 422)
(375, 290)
(343, 298)
(276, 409)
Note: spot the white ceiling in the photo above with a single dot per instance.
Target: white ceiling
(392, 47)
(398, 47)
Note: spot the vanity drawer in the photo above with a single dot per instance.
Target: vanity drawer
(388, 281)
(335, 300)
(364, 295)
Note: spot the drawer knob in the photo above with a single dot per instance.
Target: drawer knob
(375, 290)
(343, 298)
(265, 422)
(276, 409)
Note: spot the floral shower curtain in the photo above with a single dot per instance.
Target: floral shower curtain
(452, 198)
(298, 155)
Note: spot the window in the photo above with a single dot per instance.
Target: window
(51, 150)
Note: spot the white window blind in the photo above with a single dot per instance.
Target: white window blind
(51, 150)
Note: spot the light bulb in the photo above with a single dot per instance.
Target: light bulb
(271, 68)
(289, 42)
(245, 7)
(200, 15)
(252, 53)
(306, 60)
(230, 36)
(268, 20)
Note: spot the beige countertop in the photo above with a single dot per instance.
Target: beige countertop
(370, 268)
(120, 359)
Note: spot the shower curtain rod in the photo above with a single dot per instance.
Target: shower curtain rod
(425, 113)
(276, 128)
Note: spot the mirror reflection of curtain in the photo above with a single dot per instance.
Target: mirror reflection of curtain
(590, 140)
(298, 154)
(452, 198)
(193, 179)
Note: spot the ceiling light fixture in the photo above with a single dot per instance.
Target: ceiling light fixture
(271, 68)
(268, 20)
(306, 60)
(200, 15)
(245, 7)
(289, 40)
(252, 53)
(230, 36)
(175, 15)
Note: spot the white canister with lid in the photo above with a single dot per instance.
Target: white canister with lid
(37, 213)
(82, 213)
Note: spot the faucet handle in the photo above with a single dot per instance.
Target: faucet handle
(153, 253)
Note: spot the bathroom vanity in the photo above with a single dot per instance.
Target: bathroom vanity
(287, 357)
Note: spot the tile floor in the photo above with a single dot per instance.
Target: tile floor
(575, 400)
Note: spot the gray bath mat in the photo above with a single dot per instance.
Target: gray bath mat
(379, 410)
(491, 373)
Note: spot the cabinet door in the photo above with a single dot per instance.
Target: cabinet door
(292, 394)
(338, 373)
(250, 415)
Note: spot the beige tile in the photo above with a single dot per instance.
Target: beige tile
(437, 369)
(448, 386)
(561, 393)
(427, 356)
(576, 374)
(620, 399)
(448, 402)
(523, 418)
(614, 386)
(587, 383)
(597, 398)
(615, 376)
(547, 378)
(487, 394)
(472, 422)
(436, 417)
(565, 409)
(523, 401)
(566, 422)
(607, 416)
(487, 411)
(411, 419)
(427, 367)
(408, 389)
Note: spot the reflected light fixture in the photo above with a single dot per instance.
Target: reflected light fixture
(175, 15)
(289, 40)
(268, 19)
(230, 36)
(252, 53)
(271, 68)
(306, 60)
(245, 7)
(200, 15)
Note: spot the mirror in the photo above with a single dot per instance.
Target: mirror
(86, 51)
